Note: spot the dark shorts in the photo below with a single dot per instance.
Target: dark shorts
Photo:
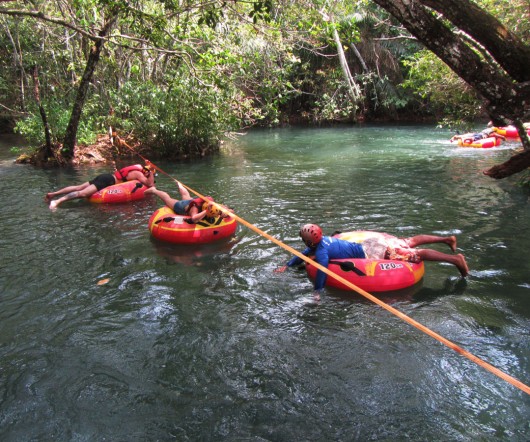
(103, 180)
(180, 207)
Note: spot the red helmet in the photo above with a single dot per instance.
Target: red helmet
(311, 234)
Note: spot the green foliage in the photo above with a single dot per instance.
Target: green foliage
(179, 74)
(261, 11)
(183, 118)
(211, 17)
(334, 107)
(58, 115)
(512, 13)
(448, 96)
(31, 128)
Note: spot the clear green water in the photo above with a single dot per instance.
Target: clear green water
(207, 343)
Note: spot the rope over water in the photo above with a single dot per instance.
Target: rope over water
(499, 373)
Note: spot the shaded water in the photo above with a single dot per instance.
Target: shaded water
(207, 343)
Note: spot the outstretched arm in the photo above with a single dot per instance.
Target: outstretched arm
(294, 261)
(322, 258)
(198, 216)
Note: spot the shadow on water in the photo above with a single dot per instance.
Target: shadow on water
(407, 294)
(191, 254)
(452, 286)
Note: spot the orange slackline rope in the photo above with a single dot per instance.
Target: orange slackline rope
(421, 327)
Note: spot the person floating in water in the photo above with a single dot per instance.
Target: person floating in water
(144, 174)
(195, 208)
(475, 136)
(380, 246)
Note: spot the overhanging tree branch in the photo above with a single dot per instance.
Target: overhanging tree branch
(505, 47)
(506, 95)
(41, 16)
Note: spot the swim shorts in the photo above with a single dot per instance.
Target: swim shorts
(103, 180)
(401, 254)
(180, 207)
(386, 246)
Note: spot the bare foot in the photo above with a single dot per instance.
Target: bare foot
(452, 243)
(462, 265)
(53, 206)
(47, 197)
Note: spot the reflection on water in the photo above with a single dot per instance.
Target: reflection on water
(208, 343)
(190, 254)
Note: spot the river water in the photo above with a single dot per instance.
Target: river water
(208, 343)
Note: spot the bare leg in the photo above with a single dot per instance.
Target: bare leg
(184, 194)
(64, 190)
(418, 240)
(457, 260)
(83, 193)
(164, 196)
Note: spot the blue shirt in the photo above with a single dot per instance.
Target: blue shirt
(329, 248)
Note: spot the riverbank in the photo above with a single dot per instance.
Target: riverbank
(106, 149)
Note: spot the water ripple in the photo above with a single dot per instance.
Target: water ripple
(208, 343)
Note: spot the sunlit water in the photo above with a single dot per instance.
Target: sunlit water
(207, 343)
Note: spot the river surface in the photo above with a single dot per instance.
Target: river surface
(209, 344)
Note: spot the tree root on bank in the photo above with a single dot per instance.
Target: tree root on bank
(101, 152)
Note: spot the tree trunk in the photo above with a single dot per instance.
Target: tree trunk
(19, 65)
(359, 57)
(353, 87)
(504, 46)
(354, 91)
(48, 151)
(93, 59)
(515, 164)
